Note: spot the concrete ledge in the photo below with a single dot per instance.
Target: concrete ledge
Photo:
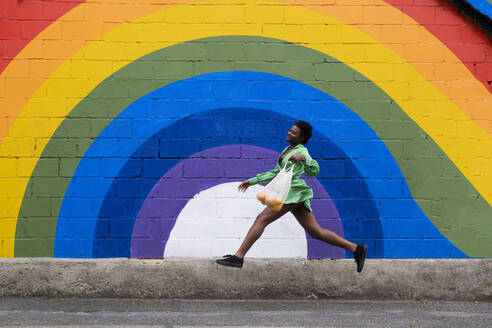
(436, 279)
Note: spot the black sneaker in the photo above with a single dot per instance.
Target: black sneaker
(230, 260)
(360, 256)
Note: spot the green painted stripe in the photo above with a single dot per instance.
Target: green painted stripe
(443, 193)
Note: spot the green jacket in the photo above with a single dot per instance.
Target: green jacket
(299, 192)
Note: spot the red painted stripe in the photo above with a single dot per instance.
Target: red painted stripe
(462, 37)
(23, 20)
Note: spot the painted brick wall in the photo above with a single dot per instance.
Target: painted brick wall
(126, 126)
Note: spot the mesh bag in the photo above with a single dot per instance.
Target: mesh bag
(275, 192)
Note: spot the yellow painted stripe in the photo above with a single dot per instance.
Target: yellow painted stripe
(418, 97)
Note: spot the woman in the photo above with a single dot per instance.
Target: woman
(297, 201)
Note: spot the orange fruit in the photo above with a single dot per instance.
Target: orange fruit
(269, 201)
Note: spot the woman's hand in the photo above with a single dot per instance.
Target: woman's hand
(243, 186)
(297, 158)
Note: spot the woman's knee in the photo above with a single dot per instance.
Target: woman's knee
(263, 219)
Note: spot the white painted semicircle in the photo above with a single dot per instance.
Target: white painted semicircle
(215, 221)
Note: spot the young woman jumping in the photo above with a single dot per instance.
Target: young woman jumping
(297, 201)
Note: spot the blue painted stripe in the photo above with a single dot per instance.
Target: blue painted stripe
(356, 197)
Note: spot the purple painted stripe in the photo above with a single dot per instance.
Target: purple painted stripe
(167, 198)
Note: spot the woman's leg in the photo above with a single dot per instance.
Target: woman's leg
(263, 219)
(310, 224)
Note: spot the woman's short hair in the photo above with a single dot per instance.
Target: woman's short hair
(306, 130)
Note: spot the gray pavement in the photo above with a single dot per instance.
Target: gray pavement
(39, 312)
(188, 278)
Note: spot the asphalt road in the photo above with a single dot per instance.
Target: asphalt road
(39, 312)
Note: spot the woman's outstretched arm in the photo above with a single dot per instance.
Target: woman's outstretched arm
(259, 178)
(265, 177)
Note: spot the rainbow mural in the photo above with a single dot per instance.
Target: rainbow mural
(126, 125)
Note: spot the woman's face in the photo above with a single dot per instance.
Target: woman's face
(294, 135)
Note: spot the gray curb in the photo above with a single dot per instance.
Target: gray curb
(436, 279)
